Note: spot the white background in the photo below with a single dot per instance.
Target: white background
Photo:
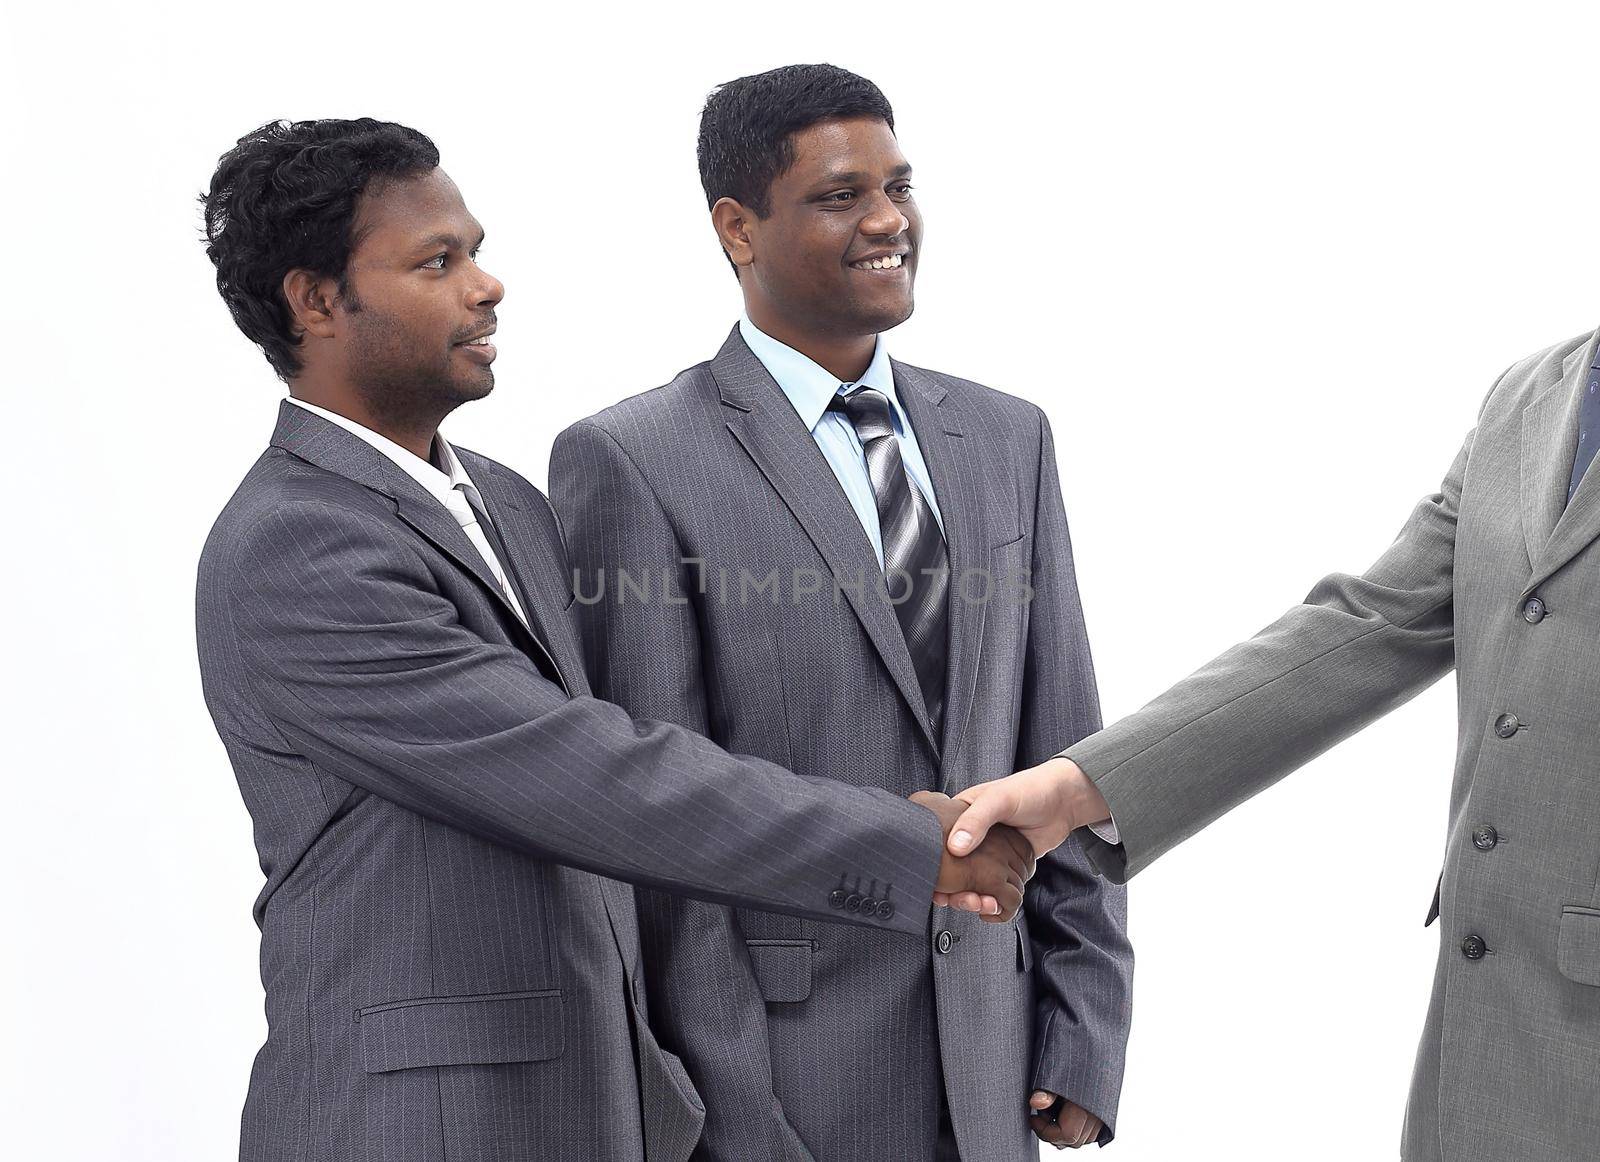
(1259, 262)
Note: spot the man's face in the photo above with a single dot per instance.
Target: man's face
(417, 305)
(845, 202)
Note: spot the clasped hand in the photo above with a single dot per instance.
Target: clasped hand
(990, 878)
(1038, 808)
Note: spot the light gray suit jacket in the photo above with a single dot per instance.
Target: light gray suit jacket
(436, 799)
(1509, 1066)
(813, 1037)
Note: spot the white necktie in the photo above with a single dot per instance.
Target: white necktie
(466, 515)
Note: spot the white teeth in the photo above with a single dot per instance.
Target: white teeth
(893, 262)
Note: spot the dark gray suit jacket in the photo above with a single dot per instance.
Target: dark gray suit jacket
(806, 1036)
(434, 790)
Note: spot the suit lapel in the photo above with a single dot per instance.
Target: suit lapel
(1557, 530)
(761, 418)
(330, 447)
(519, 534)
(953, 460)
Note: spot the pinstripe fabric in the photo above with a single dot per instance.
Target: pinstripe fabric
(436, 802)
(1508, 1069)
(808, 1038)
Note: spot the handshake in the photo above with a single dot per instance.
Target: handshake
(995, 831)
(991, 876)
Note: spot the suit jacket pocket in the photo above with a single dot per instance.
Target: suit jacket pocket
(1578, 944)
(1024, 947)
(783, 969)
(674, 1113)
(489, 1029)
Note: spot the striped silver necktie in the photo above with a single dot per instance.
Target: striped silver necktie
(916, 565)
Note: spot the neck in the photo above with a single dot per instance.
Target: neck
(414, 433)
(845, 357)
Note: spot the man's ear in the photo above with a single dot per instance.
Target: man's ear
(731, 219)
(310, 299)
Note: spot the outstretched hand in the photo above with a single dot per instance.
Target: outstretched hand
(990, 874)
(1044, 804)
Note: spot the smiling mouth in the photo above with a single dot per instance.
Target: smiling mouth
(480, 350)
(892, 262)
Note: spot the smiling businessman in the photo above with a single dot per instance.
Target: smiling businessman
(442, 809)
(840, 551)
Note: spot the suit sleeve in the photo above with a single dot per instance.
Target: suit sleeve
(1083, 963)
(1355, 649)
(365, 668)
(704, 1002)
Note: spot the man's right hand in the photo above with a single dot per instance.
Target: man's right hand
(995, 870)
(1045, 803)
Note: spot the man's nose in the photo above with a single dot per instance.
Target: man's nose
(488, 291)
(883, 217)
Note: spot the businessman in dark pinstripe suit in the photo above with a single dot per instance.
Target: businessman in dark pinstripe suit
(896, 509)
(387, 650)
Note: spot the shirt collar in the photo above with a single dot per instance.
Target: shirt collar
(808, 385)
(439, 484)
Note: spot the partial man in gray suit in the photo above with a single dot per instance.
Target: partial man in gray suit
(1496, 576)
(388, 650)
(859, 569)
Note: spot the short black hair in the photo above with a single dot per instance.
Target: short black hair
(747, 126)
(284, 198)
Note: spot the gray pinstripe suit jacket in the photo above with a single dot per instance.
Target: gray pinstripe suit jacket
(1508, 1069)
(812, 1037)
(434, 791)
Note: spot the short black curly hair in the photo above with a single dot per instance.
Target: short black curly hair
(747, 125)
(284, 198)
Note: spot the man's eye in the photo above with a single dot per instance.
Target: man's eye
(842, 197)
(434, 263)
(901, 191)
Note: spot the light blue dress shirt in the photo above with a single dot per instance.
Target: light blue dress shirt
(809, 387)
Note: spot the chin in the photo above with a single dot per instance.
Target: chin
(476, 388)
(879, 317)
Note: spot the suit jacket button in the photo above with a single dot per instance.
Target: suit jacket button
(943, 941)
(885, 910)
(869, 906)
(1533, 611)
(1506, 726)
(1484, 838)
(836, 898)
(852, 902)
(1473, 947)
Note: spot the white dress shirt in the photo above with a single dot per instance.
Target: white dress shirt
(448, 488)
